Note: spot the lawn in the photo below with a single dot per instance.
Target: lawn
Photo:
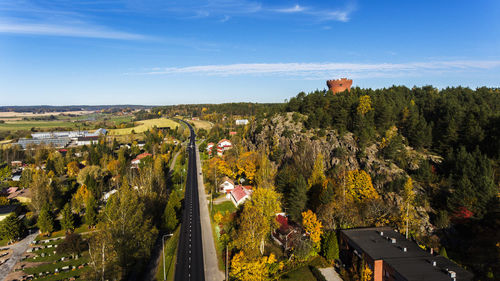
(61, 233)
(226, 206)
(300, 274)
(145, 125)
(171, 254)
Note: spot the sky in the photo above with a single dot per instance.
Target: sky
(161, 52)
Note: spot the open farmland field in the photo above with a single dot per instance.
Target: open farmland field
(27, 125)
(201, 124)
(145, 125)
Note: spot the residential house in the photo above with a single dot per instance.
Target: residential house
(392, 257)
(210, 147)
(16, 164)
(223, 145)
(241, 122)
(239, 194)
(226, 186)
(285, 235)
(135, 163)
(21, 195)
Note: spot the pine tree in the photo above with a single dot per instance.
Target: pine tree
(45, 221)
(330, 247)
(297, 199)
(67, 221)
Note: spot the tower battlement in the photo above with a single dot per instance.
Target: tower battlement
(339, 85)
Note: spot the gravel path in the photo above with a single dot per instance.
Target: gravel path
(18, 250)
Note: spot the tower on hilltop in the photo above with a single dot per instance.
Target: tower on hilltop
(339, 85)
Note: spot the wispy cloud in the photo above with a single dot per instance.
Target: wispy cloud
(88, 31)
(295, 9)
(322, 70)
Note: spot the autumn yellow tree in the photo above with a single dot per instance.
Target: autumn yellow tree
(72, 169)
(318, 172)
(367, 273)
(254, 269)
(409, 220)
(365, 105)
(257, 221)
(247, 165)
(359, 186)
(80, 198)
(266, 172)
(313, 227)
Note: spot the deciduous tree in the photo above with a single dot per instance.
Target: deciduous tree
(313, 227)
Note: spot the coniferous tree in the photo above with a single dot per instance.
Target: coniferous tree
(45, 221)
(297, 200)
(67, 221)
(330, 247)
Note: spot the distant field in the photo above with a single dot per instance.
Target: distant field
(27, 125)
(12, 114)
(145, 125)
(201, 124)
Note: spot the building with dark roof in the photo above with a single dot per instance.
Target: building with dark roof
(391, 257)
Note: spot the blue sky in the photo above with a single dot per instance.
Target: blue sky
(211, 51)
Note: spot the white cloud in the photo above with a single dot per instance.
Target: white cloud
(295, 9)
(88, 31)
(321, 70)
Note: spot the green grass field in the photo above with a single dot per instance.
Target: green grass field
(27, 125)
(75, 122)
(145, 125)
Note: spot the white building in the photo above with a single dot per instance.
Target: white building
(242, 122)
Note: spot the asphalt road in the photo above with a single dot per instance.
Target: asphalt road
(189, 264)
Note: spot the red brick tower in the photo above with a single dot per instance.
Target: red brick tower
(339, 85)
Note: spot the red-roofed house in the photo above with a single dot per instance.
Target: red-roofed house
(226, 186)
(239, 194)
(284, 235)
(223, 145)
(233, 133)
(135, 163)
(210, 146)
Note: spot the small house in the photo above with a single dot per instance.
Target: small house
(226, 186)
(239, 194)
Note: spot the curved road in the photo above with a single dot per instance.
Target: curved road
(189, 264)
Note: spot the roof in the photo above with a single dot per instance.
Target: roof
(414, 264)
(223, 140)
(224, 179)
(88, 138)
(239, 192)
(143, 155)
(26, 192)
